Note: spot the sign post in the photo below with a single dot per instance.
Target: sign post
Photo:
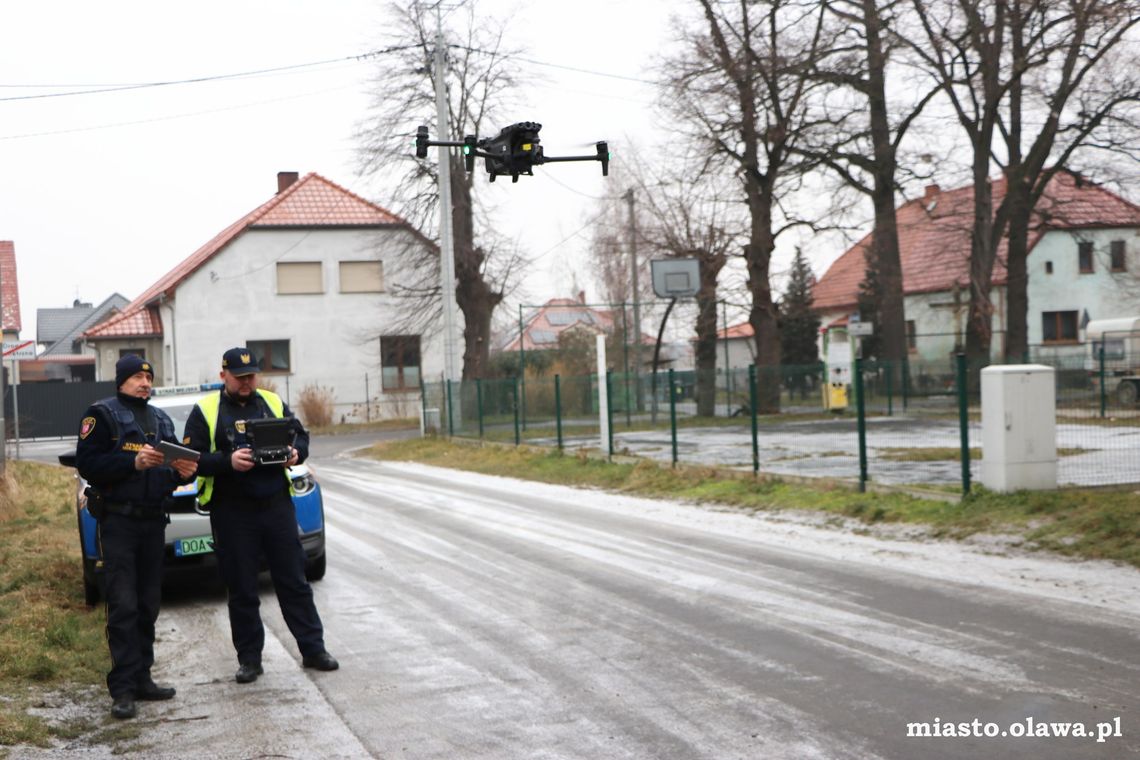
(14, 350)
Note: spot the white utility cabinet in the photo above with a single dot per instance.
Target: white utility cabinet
(1019, 428)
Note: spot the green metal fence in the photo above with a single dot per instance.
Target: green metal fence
(911, 423)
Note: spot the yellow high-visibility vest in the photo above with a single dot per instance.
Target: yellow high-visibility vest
(210, 407)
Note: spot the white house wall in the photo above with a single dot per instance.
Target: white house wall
(333, 343)
(1102, 293)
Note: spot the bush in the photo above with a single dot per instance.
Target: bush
(316, 405)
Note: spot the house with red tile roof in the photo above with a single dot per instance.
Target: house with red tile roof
(1084, 264)
(305, 281)
(543, 324)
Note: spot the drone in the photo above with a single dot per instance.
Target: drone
(514, 151)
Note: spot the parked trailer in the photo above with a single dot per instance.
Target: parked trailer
(1120, 339)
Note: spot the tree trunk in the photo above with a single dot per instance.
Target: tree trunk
(891, 326)
(1017, 274)
(473, 294)
(705, 349)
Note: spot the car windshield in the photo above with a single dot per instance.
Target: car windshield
(179, 414)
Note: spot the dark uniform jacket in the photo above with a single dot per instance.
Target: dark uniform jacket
(232, 488)
(112, 432)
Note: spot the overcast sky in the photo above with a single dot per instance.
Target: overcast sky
(105, 192)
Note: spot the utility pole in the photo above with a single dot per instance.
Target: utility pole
(629, 197)
(446, 242)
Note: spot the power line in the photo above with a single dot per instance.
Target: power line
(100, 89)
(97, 127)
(555, 65)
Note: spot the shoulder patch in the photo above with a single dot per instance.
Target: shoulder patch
(86, 427)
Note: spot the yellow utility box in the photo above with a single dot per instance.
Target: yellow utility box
(836, 396)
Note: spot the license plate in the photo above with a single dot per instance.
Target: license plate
(185, 547)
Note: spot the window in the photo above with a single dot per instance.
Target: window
(1048, 267)
(1085, 258)
(361, 277)
(271, 355)
(399, 362)
(1059, 326)
(1116, 255)
(911, 336)
(294, 277)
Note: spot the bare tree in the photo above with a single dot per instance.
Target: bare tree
(863, 147)
(1067, 74)
(998, 62)
(962, 47)
(742, 88)
(479, 78)
(690, 220)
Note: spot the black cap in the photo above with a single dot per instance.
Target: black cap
(129, 366)
(239, 361)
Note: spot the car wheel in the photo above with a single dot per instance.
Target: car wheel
(315, 570)
(1126, 393)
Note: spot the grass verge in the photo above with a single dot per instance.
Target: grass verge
(1087, 523)
(49, 639)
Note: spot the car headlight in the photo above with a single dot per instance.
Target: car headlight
(304, 484)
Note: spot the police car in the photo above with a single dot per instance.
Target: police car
(189, 542)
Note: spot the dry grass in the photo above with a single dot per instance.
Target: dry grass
(316, 406)
(48, 637)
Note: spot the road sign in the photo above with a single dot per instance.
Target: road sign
(23, 349)
(860, 329)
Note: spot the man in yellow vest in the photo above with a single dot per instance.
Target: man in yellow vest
(252, 515)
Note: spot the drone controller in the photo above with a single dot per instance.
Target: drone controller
(270, 439)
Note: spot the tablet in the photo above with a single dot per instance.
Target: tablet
(173, 451)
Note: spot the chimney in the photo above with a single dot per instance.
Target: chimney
(581, 296)
(284, 180)
(931, 192)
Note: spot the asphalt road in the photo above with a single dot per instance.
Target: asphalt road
(479, 617)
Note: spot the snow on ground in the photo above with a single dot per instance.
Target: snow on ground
(1108, 585)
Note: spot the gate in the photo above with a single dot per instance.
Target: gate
(49, 410)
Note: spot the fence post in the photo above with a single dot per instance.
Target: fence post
(860, 423)
(479, 403)
(905, 382)
(964, 422)
(673, 415)
(1100, 361)
(752, 393)
(558, 408)
(610, 413)
(890, 389)
(522, 363)
(450, 406)
(515, 390)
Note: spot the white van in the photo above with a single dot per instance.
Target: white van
(1120, 339)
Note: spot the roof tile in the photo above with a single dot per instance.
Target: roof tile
(312, 201)
(934, 236)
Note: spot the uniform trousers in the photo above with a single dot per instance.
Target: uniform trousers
(243, 535)
(132, 573)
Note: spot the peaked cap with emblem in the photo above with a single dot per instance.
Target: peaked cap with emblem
(239, 361)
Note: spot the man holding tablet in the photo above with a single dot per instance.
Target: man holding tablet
(130, 479)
